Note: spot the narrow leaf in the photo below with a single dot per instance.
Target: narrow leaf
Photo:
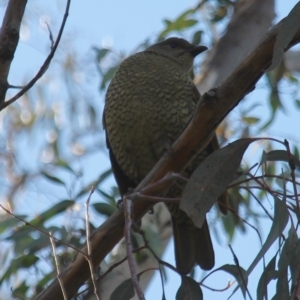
(104, 209)
(290, 26)
(189, 290)
(101, 53)
(211, 178)
(51, 212)
(10, 222)
(281, 155)
(237, 272)
(268, 274)
(124, 291)
(52, 178)
(251, 120)
(63, 164)
(282, 287)
(281, 217)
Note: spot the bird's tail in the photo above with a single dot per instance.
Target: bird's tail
(192, 245)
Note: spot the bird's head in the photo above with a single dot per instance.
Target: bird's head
(178, 49)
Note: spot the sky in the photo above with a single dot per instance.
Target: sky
(123, 25)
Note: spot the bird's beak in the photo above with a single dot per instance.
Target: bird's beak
(197, 50)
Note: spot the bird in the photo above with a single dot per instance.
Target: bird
(148, 103)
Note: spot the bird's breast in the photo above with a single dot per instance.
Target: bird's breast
(147, 107)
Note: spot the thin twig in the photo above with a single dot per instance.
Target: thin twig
(57, 266)
(260, 177)
(45, 65)
(253, 187)
(236, 261)
(293, 168)
(229, 285)
(213, 289)
(259, 202)
(250, 225)
(131, 264)
(40, 230)
(50, 35)
(147, 245)
(10, 86)
(158, 187)
(115, 265)
(88, 234)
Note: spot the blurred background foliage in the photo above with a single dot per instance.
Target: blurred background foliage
(51, 136)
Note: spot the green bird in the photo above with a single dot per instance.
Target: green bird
(148, 103)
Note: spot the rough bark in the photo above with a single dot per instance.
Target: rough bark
(292, 61)
(9, 38)
(248, 25)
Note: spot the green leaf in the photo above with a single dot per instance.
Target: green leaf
(296, 152)
(92, 115)
(104, 209)
(167, 22)
(275, 104)
(181, 23)
(95, 183)
(52, 178)
(108, 76)
(282, 287)
(189, 290)
(109, 197)
(288, 250)
(21, 244)
(237, 272)
(275, 101)
(268, 274)
(297, 102)
(211, 178)
(52, 212)
(280, 155)
(219, 13)
(101, 53)
(124, 291)
(23, 231)
(63, 164)
(197, 37)
(287, 31)
(41, 284)
(294, 266)
(281, 217)
(251, 120)
(10, 222)
(20, 290)
(22, 262)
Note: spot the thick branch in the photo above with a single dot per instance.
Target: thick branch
(9, 38)
(292, 61)
(248, 25)
(210, 112)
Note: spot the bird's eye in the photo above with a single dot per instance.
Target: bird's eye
(173, 45)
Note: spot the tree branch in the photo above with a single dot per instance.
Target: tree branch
(45, 65)
(211, 110)
(9, 38)
(253, 17)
